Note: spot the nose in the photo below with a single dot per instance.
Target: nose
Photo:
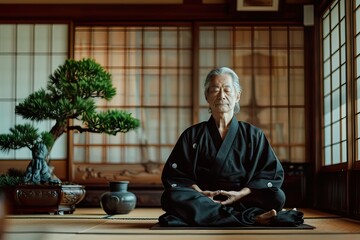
(222, 93)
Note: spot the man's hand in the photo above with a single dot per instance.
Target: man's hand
(233, 196)
(224, 197)
(210, 194)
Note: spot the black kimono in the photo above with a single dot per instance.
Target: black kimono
(243, 159)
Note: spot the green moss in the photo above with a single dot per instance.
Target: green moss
(12, 177)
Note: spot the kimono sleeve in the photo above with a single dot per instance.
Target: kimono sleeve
(179, 167)
(266, 169)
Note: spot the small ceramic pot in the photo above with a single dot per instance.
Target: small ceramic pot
(118, 200)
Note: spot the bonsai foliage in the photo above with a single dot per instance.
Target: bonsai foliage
(70, 94)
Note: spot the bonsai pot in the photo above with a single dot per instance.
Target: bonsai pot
(36, 199)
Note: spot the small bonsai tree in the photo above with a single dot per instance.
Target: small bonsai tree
(70, 94)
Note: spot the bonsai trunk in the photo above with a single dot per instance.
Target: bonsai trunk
(38, 170)
(57, 130)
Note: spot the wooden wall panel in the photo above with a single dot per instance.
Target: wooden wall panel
(136, 174)
(60, 167)
(354, 194)
(332, 192)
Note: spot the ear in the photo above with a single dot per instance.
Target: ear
(238, 96)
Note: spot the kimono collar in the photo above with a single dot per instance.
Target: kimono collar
(234, 125)
(223, 146)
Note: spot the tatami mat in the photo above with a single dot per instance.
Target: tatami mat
(89, 224)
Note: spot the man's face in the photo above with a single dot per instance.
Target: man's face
(222, 95)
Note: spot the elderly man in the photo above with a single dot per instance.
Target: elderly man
(223, 172)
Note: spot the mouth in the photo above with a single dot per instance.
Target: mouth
(220, 104)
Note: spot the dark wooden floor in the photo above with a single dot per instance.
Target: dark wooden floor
(93, 223)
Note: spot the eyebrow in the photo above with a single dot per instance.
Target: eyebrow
(224, 85)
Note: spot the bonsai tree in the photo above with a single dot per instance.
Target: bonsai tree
(69, 94)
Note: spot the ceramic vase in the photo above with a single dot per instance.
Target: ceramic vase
(118, 200)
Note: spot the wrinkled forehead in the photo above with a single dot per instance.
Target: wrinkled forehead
(221, 80)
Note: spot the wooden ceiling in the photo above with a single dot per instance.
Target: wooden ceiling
(289, 11)
(140, 1)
